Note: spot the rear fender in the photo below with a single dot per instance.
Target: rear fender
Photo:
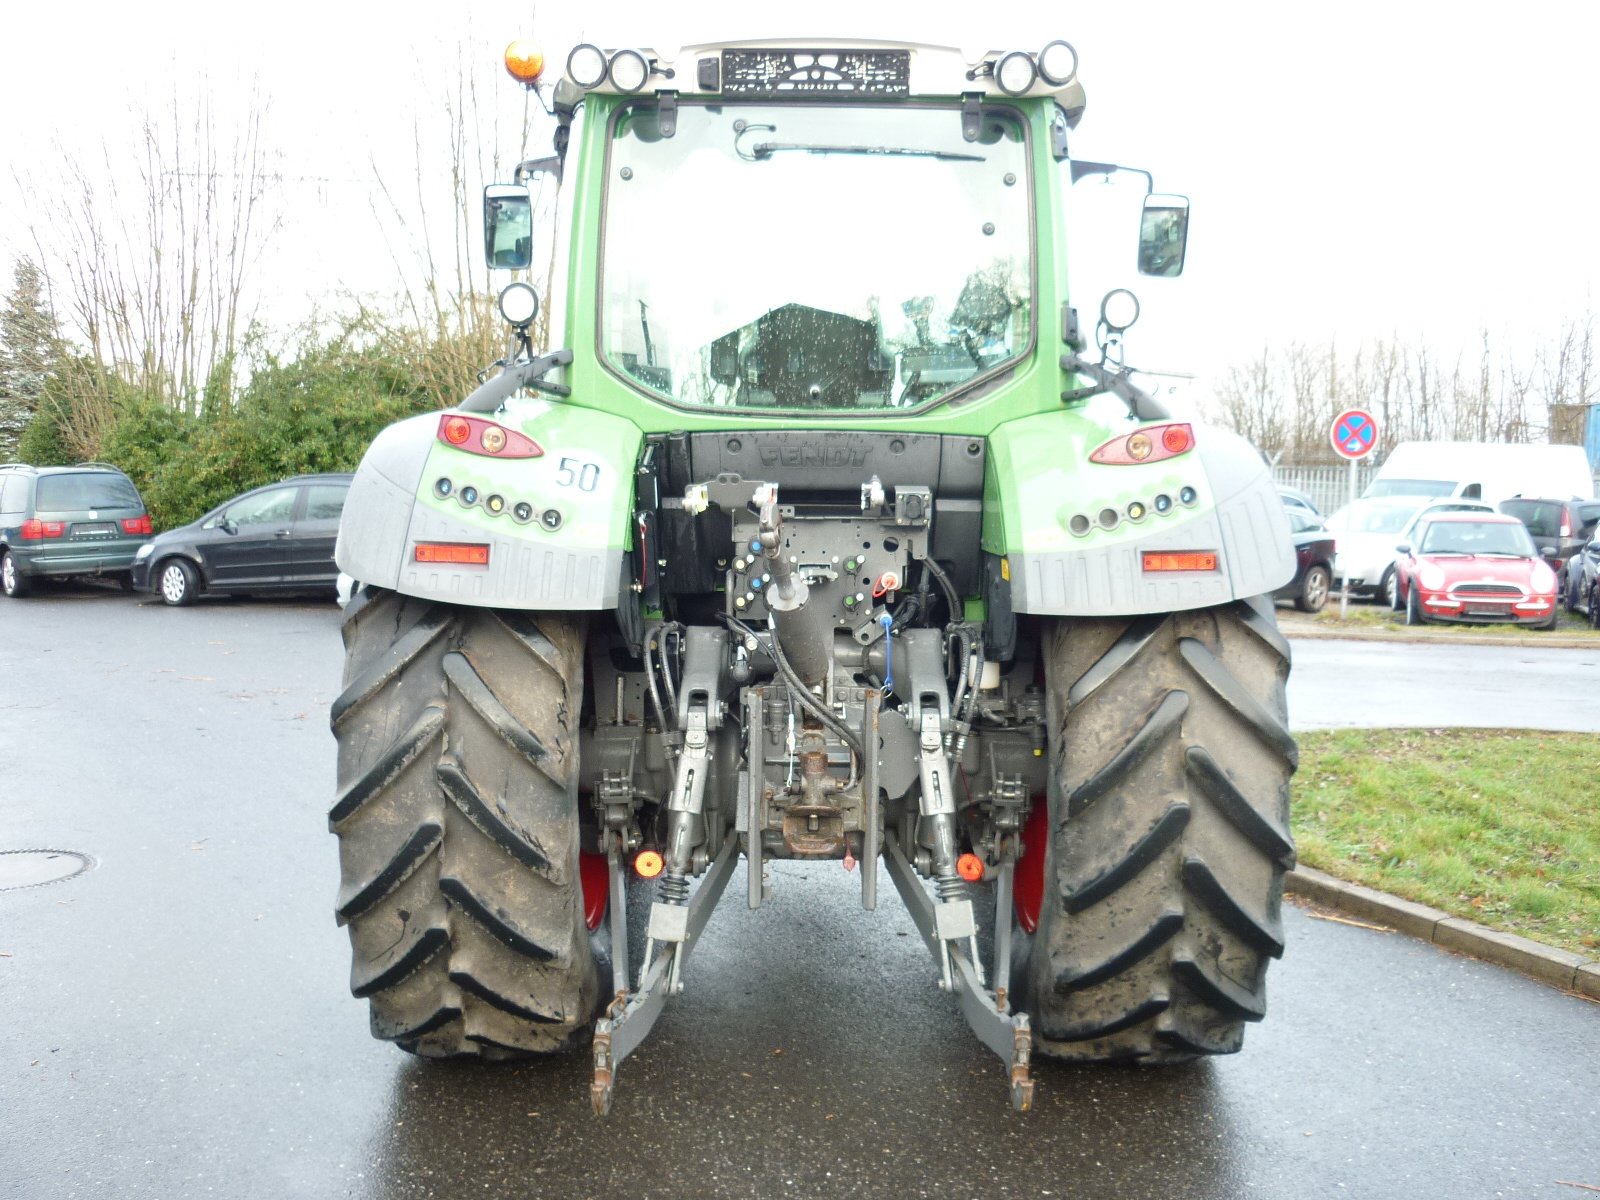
(412, 487)
(1040, 479)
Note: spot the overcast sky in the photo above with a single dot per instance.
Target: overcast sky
(1355, 169)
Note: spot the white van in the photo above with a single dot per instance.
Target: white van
(1488, 471)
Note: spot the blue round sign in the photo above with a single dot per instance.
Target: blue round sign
(1354, 433)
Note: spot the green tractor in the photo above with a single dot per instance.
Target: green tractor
(822, 534)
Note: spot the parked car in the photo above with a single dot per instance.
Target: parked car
(1368, 530)
(1294, 500)
(1562, 525)
(276, 538)
(1475, 567)
(1583, 582)
(55, 521)
(1313, 574)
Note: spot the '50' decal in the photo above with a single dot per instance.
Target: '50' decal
(576, 472)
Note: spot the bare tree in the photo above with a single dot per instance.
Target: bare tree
(153, 259)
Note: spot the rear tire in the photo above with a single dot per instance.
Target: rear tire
(12, 581)
(1413, 607)
(1169, 802)
(457, 819)
(1314, 590)
(1594, 604)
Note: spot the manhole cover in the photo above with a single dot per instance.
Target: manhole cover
(30, 868)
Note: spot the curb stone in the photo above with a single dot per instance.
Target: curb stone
(1559, 968)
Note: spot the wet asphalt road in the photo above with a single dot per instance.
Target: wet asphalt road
(175, 1021)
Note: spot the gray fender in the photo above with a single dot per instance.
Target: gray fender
(1245, 523)
(382, 518)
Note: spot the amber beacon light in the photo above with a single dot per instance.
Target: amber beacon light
(525, 61)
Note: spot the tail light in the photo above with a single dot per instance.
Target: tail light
(477, 436)
(1151, 443)
(35, 529)
(137, 525)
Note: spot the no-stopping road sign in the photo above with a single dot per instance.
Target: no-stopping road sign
(1354, 433)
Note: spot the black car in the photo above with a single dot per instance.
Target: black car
(1313, 571)
(1562, 525)
(277, 538)
(1583, 582)
(58, 521)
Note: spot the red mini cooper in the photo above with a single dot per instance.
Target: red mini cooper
(1477, 567)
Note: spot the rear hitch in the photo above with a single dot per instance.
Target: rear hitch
(988, 1013)
(631, 1015)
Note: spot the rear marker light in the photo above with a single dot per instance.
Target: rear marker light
(1149, 444)
(1180, 560)
(478, 436)
(648, 863)
(471, 554)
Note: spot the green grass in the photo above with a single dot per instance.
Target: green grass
(1499, 826)
(1364, 616)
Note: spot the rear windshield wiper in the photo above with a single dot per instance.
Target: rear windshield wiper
(765, 150)
(768, 149)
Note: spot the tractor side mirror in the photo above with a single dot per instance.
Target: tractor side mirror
(1163, 235)
(507, 227)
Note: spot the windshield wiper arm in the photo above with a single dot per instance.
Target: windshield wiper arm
(768, 149)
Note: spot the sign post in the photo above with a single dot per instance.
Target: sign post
(1354, 436)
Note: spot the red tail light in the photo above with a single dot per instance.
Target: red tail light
(477, 436)
(35, 529)
(1150, 443)
(137, 525)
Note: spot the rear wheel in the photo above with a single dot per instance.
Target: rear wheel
(1594, 604)
(1169, 793)
(457, 819)
(1314, 591)
(12, 581)
(1389, 587)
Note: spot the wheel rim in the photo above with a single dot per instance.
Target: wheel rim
(173, 584)
(8, 571)
(1317, 589)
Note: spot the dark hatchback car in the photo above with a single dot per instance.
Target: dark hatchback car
(277, 538)
(1561, 525)
(59, 521)
(1313, 568)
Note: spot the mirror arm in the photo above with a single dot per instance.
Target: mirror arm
(1141, 404)
(1082, 168)
(488, 396)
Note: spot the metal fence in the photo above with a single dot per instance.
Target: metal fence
(1328, 486)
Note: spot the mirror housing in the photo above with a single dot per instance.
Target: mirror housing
(1403, 548)
(1549, 552)
(507, 227)
(1163, 235)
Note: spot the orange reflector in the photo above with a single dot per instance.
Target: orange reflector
(472, 554)
(525, 61)
(970, 867)
(648, 863)
(1180, 560)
